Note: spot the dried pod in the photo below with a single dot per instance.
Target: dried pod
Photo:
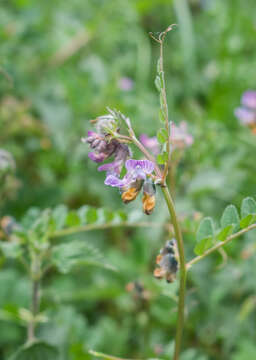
(167, 262)
(149, 199)
(129, 193)
(8, 225)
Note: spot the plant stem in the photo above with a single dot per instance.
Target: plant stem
(165, 106)
(219, 245)
(183, 271)
(34, 309)
(74, 230)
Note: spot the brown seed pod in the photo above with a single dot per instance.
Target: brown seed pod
(129, 195)
(149, 203)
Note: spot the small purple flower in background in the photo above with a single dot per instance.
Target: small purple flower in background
(246, 113)
(180, 138)
(125, 84)
(151, 143)
(249, 99)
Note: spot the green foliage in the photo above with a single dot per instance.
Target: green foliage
(66, 256)
(36, 351)
(162, 136)
(61, 64)
(204, 236)
(229, 223)
(248, 212)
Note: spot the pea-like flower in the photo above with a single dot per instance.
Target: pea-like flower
(104, 147)
(167, 262)
(136, 170)
(136, 178)
(151, 143)
(180, 139)
(246, 113)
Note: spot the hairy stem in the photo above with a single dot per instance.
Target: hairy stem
(34, 309)
(183, 271)
(219, 245)
(165, 107)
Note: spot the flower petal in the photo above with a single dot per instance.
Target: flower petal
(114, 181)
(145, 165)
(249, 99)
(112, 168)
(96, 157)
(245, 116)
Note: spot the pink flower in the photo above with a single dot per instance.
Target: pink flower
(125, 84)
(180, 138)
(246, 114)
(151, 143)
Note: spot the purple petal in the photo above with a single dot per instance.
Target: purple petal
(245, 116)
(114, 181)
(145, 166)
(249, 99)
(106, 167)
(180, 136)
(189, 140)
(125, 84)
(96, 157)
(113, 168)
(151, 143)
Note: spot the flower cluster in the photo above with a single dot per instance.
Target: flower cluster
(138, 172)
(246, 113)
(180, 139)
(104, 146)
(167, 262)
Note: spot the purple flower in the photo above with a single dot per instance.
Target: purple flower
(136, 170)
(180, 137)
(104, 148)
(125, 83)
(121, 153)
(246, 113)
(151, 143)
(245, 116)
(249, 99)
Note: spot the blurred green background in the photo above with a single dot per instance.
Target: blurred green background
(61, 64)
